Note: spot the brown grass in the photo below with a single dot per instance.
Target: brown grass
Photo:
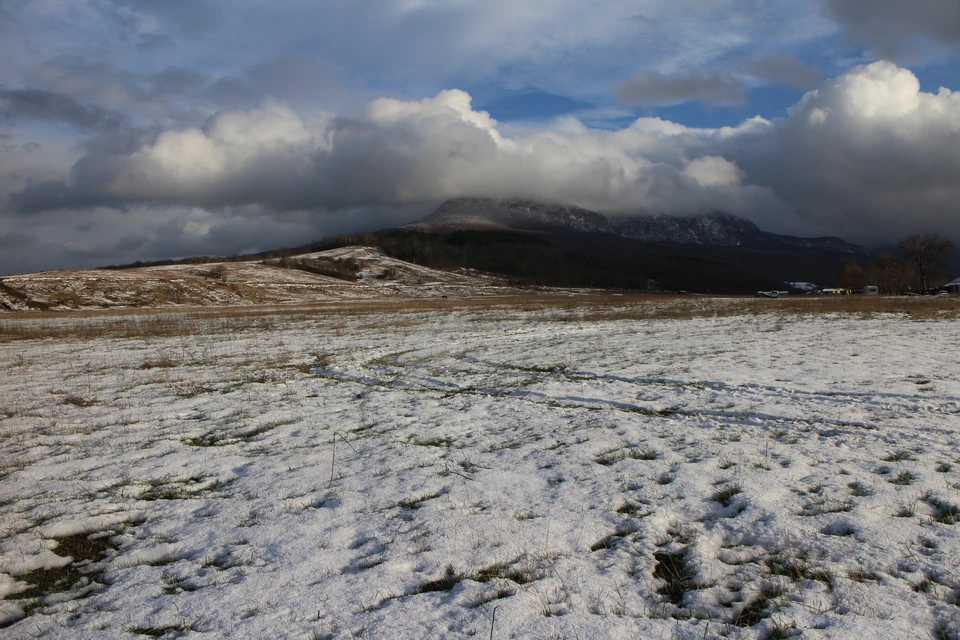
(548, 306)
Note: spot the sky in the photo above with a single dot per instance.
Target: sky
(150, 129)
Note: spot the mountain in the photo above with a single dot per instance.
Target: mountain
(714, 229)
(724, 230)
(714, 252)
(525, 215)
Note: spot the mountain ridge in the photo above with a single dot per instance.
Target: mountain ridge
(715, 228)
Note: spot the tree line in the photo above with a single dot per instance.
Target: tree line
(919, 266)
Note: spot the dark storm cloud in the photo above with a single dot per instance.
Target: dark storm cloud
(889, 25)
(35, 104)
(727, 85)
(781, 69)
(12, 240)
(131, 243)
(53, 195)
(651, 88)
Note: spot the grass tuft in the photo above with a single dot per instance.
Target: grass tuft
(859, 489)
(943, 512)
(725, 494)
(449, 580)
(899, 456)
(676, 572)
(861, 574)
(903, 478)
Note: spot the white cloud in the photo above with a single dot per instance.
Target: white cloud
(403, 152)
(867, 155)
(714, 171)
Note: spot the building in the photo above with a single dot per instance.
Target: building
(953, 287)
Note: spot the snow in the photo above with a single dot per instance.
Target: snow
(240, 284)
(32, 562)
(414, 472)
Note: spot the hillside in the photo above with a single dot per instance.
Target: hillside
(343, 273)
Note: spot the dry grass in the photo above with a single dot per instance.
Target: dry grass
(563, 306)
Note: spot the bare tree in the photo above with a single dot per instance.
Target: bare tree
(893, 273)
(929, 254)
(851, 274)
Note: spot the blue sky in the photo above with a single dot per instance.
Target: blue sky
(139, 129)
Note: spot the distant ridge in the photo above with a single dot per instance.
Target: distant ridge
(716, 229)
(724, 230)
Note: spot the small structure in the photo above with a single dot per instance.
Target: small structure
(871, 290)
(953, 287)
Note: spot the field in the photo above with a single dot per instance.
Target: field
(538, 467)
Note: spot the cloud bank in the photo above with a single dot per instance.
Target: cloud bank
(867, 155)
(890, 25)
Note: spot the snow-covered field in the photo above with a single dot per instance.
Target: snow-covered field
(526, 471)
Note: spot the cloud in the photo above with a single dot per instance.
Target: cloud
(725, 86)
(176, 81)
(151, 42)
(867, 155)
(781, 68)
(651, 88)
(401, 153)
(35, 104)
(192, 17)
(12, 240)
(230, 91)
(336, 56)
(91, 81)
(297, 79)
(53, 195)
(889, 25)
(51, 240)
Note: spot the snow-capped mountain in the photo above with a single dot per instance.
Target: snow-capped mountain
(489, 213)
(724, 230)
(715, 229)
